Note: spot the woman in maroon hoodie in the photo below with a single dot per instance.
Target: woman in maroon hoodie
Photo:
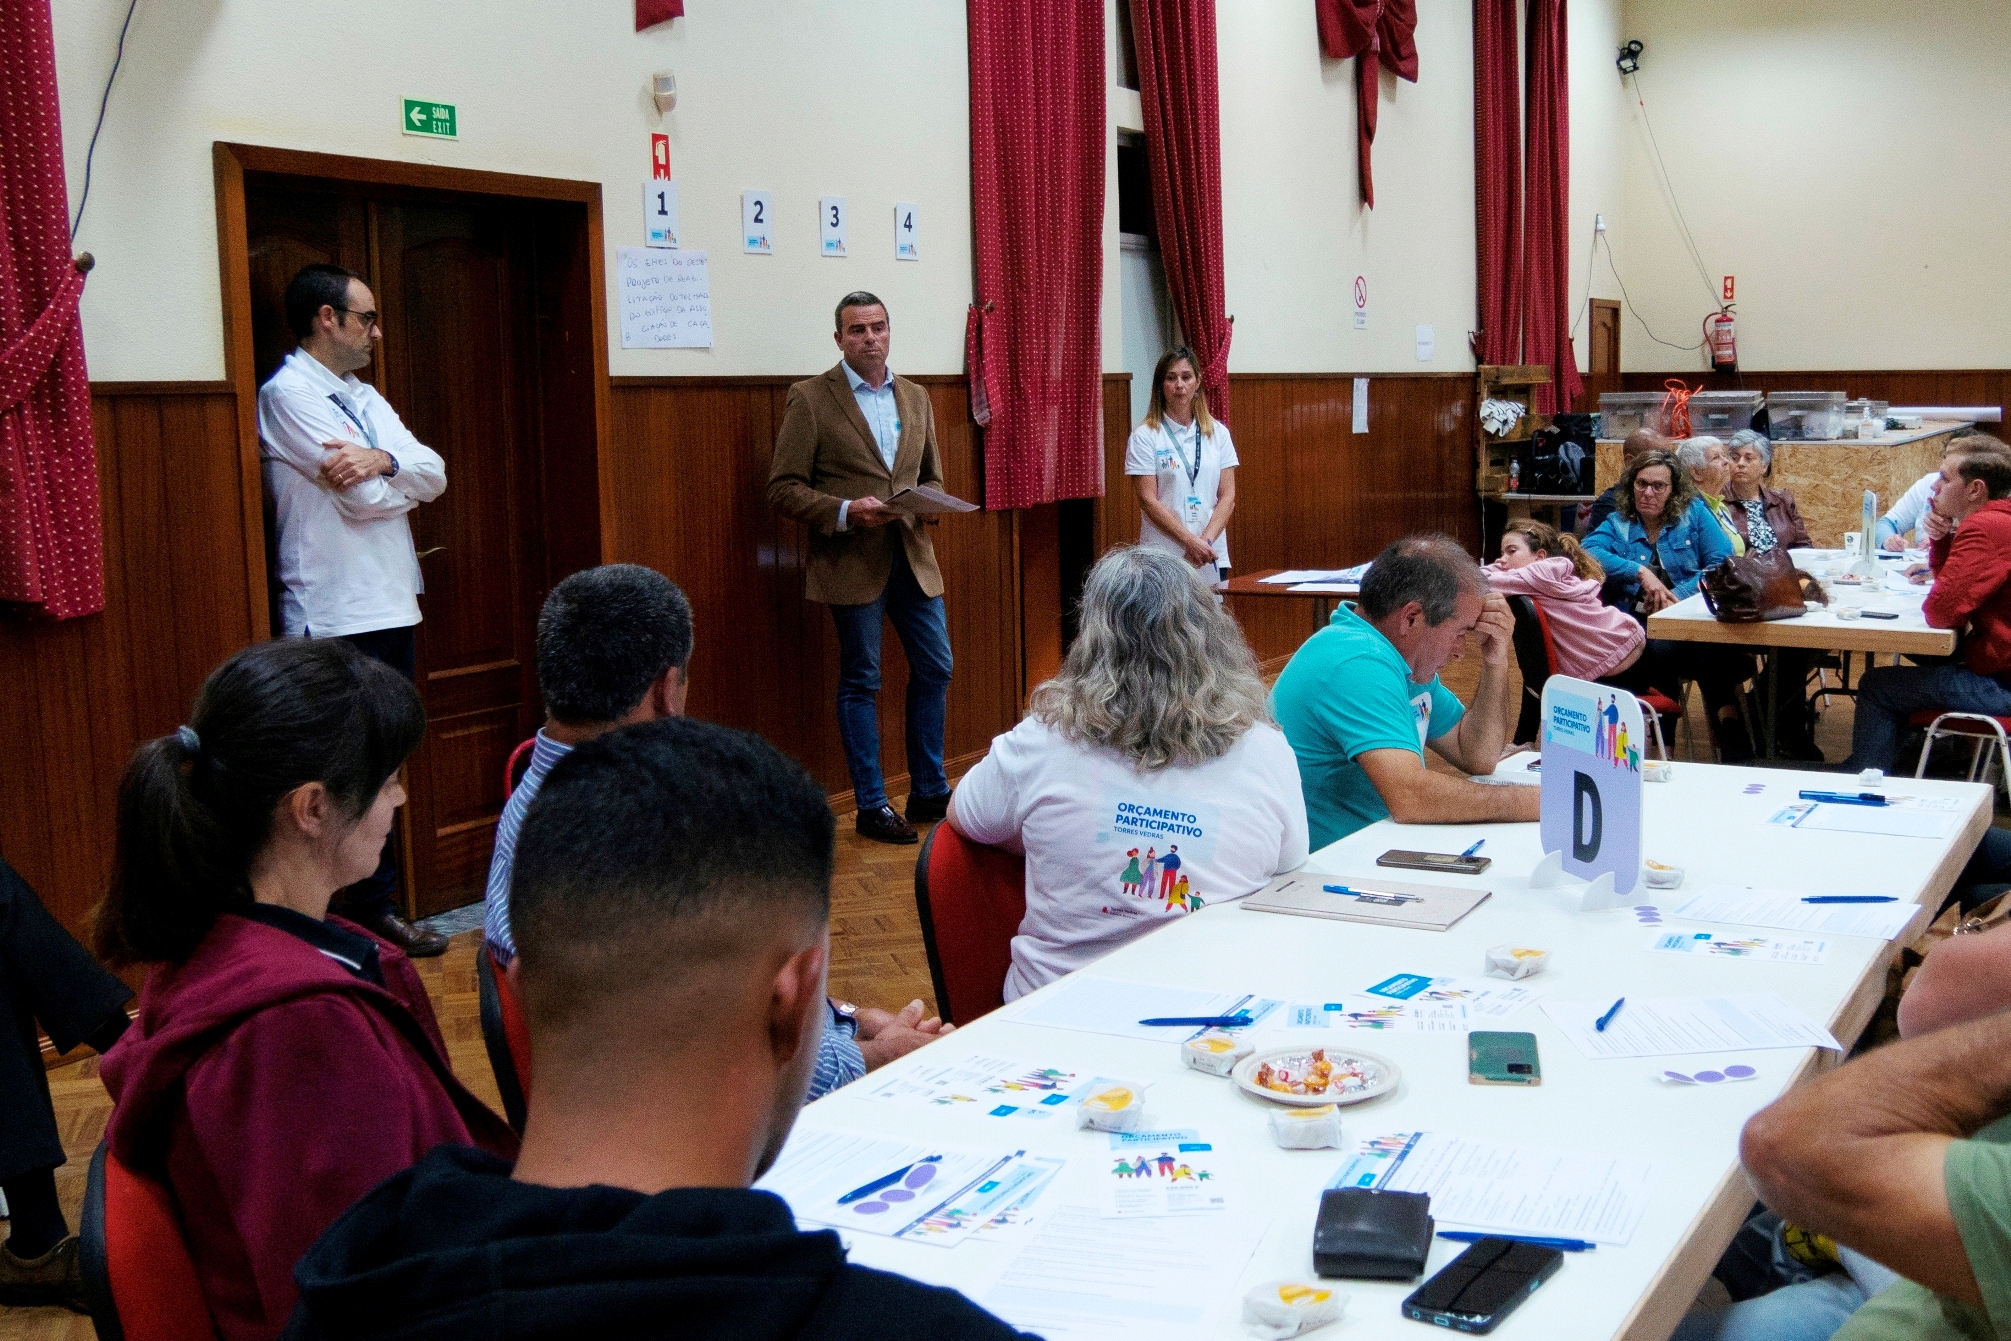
(284, 1061)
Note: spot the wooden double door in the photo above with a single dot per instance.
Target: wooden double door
(487, 357)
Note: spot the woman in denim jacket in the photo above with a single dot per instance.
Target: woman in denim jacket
(1656, 544)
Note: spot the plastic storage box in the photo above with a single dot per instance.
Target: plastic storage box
(1805, 416)
(1621, 412)
(1719, 414)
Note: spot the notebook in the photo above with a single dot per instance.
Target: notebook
(1391, 903)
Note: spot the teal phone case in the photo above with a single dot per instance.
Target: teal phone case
(1502, 1059)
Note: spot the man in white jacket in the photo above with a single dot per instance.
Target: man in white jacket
(344, 473)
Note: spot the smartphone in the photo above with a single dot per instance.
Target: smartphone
(1502, 1059)
(1450, 862)
(1880, 614)
(1477, 1289)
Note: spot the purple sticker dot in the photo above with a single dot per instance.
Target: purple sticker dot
(1740, 1072)
(897, 1194)
(1677, 1076)
(1707, 1077)
(871, 1207)
(920, 1175)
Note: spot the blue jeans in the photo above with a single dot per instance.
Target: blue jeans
(1888, 695)
(1810, 1310)
(925, 637)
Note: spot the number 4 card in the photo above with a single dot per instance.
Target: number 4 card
(907, 231)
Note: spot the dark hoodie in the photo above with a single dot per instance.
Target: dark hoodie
(455, 1248)
(270, 1086)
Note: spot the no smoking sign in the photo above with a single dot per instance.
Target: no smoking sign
(1361, 302)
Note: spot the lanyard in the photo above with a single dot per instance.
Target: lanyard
(1193, 469)
(351, 416)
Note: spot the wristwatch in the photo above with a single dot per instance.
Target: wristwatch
(843, 1014)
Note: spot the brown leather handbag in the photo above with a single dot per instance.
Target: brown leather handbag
(1750, 588)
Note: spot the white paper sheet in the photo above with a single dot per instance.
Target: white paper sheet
(1163, 1277)
(666, 299)
(1769, 949)
(1173, 1172)
(1509, 1189)
(1747, 906)
(1293, 576)
(1673, 1025)
(1514, 771)
(1109, 1006)
(1483, 997)
(818, 1167)
(997, 1087)
(1886, 821)
(1325, 588)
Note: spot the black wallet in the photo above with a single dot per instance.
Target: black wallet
(1368, 1235)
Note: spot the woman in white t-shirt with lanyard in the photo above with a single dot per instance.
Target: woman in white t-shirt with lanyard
(1184, 468)
(1148, 779)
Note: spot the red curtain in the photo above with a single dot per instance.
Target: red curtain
(1546, 336)
(51, 545)
(1497, 182)
(1037, 146)
(1183, 148)
(649, 13)
(1376, 32)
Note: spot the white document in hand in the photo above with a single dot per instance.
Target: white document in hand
(925, 501)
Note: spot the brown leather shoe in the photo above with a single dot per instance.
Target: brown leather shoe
(928, 809)
(416, 942)
(885, 825)
(56, 1277)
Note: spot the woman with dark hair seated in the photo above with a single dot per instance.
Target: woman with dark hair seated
(284, 1061)
(1656, 546)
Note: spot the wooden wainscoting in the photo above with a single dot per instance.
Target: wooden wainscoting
(690, 459)
(83, 692)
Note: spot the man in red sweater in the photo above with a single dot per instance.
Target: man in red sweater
(1970, 523)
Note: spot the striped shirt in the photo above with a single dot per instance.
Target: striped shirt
(839, 1061)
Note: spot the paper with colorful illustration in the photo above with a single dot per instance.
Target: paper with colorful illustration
(1483, 997)
(1170, 1172)
(876, 1185)
(999, 1202)
(1768, 949)
(998, 1087)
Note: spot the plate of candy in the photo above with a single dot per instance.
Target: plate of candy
(1304, 1075)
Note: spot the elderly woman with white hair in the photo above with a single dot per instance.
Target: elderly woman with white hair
(1148, 778)
(1764, 517)
(1711, 471)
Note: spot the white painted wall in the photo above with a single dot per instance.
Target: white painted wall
(803, 98)
(1842, 158)
(1598, 111)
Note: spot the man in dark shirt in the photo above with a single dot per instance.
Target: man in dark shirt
(671, 904)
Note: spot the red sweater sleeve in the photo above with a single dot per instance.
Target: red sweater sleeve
(1969, 566)
(301, 1110)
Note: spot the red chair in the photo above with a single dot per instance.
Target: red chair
(971, 899)
(505, 1036)
(1982, 728)
(518, 764)
(1654, 704)
(139, 1280)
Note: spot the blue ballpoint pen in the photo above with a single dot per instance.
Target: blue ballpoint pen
(1851, 898)
(1475, 848)
(1846, 798)
(1562, 1245)
(1607, 1018)
(1236, 1021)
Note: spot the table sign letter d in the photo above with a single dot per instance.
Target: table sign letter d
(1585, 813)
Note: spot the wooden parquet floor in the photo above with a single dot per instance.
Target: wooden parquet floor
(876, 959)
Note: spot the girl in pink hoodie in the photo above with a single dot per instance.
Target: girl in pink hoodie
(1593, 640)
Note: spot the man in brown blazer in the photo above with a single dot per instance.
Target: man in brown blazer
(849, 440)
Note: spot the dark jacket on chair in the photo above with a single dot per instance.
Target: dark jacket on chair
(455, 1248)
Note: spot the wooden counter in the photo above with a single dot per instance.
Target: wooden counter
(1828, 479)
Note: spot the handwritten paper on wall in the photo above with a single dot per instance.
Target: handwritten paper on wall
(666, 300)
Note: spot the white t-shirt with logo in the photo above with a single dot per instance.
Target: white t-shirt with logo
(1112, 852)
(1160, 452)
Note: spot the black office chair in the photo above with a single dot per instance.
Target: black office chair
(1533, 660)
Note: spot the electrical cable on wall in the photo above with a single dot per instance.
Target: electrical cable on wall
(1614, 266)
(84, 197)
(1669, 189)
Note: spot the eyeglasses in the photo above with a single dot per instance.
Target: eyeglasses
(369, 318)
(1645, 487)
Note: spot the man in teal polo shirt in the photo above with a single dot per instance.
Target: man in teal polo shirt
(1905, 1156)
(1361, 699)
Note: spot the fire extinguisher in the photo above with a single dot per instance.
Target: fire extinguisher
(1723, 342)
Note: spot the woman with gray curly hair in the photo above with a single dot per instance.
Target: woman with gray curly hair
(1147, 780)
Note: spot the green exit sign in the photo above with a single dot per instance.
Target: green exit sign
(426, 117)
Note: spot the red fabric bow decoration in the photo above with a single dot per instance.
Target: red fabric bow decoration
(1382, 31)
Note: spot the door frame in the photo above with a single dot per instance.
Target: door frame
(231, 162)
